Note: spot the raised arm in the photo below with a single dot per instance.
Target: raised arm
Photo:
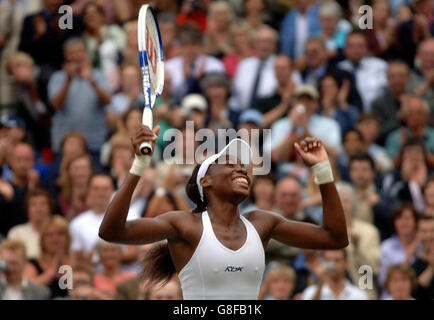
(115, 227)
(333, 232)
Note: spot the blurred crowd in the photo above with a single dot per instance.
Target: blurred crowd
(71, 98)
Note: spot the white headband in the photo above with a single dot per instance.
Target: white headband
(236, 147)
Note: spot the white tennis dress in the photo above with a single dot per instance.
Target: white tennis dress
(216, 272)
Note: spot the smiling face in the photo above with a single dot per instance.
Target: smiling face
(228, 180)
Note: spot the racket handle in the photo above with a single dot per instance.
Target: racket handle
(146, 147)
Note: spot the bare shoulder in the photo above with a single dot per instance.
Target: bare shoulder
(186, 223)
(263, 221)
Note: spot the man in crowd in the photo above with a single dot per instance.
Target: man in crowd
(187, 69)
(362, 66)
(387, 105)
(25, 179)
(332, 283)
(84, 228)
(79, 94)
(255, 77)
(13, 286)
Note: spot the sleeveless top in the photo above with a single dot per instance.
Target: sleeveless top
(216, 272)
(56, 291)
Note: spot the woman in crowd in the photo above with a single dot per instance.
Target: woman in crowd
(429, 197)
(403, 246)
(110, 255)
(73, 183)
(220, 17)
(279, 284)
(55, 242)
(400, 282)
(105, 43)
(39, 206)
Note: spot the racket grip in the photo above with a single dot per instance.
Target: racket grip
(146, 147)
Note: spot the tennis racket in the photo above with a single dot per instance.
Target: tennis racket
(151, 64)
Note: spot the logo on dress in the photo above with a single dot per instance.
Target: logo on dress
(234, 269)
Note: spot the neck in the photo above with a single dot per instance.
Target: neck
(36, 225)
(110, 271)
(99, 210)
(406, 239)
(337, 285)
(264, 204)
(223, 212)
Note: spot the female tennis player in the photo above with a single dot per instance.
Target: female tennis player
(218, 253)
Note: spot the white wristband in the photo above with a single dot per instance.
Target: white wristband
(323, 172)
(140, 164)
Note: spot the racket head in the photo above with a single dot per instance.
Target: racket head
(150, 54)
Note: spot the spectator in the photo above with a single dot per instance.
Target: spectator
(403, 246)
(194, 108)
(84, 228)
(400, 282)
(115, 11)
(275, 107)
(216, 88)
(168, 30)
(121, 157)
(364, 247)
(188, 69)
(334, 29)
(369, 126)
(193, 13)
(32, 102)
(262, 193)
(167, 197)
(415, 115)
(362, 174)
(382, 37)
(54, 245)
(429, 197)
(73, 144)
(424, 266)
(334, 102)
(13, 131)
(305, 264)
(41, 31)
(387, 105)
(412, 30)
(353, 144)
(299, 24)
(422, 78)
(303, 120)
(131, 50)
(166, 291)
(75, 91)
(241, 42)
(25, 179)
(217, 41)
(104, 43)
(288, 198)
(13, 285)
(332, 284)
(39, 206)
(254, 13)
(106, 281)
(131, 95)
(73, 183)
(362, 66)
(279, 284)
(405, 183)
(255, 77)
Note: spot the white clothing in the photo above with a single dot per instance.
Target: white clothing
(216, 272)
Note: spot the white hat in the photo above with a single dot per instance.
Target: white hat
(193, 101)
(236, 147)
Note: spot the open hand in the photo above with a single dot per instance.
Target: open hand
(311, 150)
